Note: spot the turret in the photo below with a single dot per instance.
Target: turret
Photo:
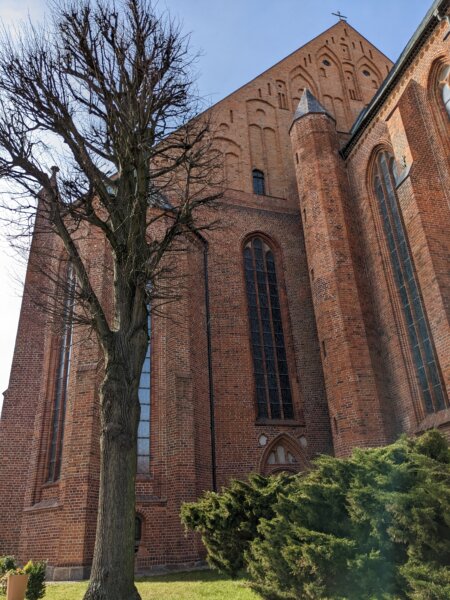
(355, 412)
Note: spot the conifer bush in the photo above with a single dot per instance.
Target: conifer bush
(228, 521)
(36, 582)
(374, 526)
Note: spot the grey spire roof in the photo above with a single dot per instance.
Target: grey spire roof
(309, 104)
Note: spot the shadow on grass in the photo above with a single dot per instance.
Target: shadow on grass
(199, 576)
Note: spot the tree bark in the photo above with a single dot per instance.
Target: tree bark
(112, 576)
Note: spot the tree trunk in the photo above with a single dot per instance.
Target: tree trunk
(112, 576)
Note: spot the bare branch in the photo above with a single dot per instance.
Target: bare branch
(106, 93)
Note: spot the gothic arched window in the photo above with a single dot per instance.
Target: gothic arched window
(258, 182)
(273, 391)
(62, 379)
(283, 455)
(423, 352)
(143, 453)
(444, 87)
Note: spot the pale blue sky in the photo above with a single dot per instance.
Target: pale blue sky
(238, 39)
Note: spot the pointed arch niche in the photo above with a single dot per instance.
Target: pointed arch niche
(439, 97)
(369, 78)
(332, 86)
(283, 455)
(231, 154)
(299, 80)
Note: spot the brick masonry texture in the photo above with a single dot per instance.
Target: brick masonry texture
(350, 364)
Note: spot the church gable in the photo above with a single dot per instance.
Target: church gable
(343, 71)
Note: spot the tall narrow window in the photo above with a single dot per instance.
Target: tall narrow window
(258, 182)
(62, 379)
(444, 86)
(423, 353)
(143, 460)
(137, 532)
(282, 94)
(273, 390)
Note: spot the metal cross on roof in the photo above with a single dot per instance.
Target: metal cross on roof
(340, 15)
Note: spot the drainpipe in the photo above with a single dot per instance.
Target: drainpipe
(212, 423)
(210, 369)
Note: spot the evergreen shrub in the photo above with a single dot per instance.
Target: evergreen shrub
(36, 581)
(374, 526)
(228, 521)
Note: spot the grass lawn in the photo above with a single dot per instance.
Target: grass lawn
(179, 586)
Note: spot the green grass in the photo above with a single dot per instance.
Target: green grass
(180, 586)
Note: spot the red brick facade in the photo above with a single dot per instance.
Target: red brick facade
(350, 363)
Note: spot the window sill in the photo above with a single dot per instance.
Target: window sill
(434, 421)
(50, 504)
(268, 196)
(279, 423)
(147, 499)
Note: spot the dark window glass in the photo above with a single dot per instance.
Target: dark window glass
(258, 182)
(62, 379)
(137, 532)
(143, 459)
(273, 391)
(422, 350)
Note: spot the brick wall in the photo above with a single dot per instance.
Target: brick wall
(335, 285)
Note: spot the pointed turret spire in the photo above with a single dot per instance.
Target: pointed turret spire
(309, 104)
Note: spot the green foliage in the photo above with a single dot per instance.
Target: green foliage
(36, 581)
(35, 571)
(427, 582)
(228, 521)
(7, 563)
(375, 526)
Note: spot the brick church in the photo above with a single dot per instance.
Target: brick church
(316, 319)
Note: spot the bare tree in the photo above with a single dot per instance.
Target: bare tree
(107, 94)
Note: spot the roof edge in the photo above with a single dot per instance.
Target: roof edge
(432, 18)
(281, 60)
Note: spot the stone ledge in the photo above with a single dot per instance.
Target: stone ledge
(81, 573)
(67, 573)
(149, 499)
(50, 504)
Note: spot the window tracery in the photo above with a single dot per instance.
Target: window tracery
(423, 353)
(62, 379)
(283, 454)
(273, 391)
